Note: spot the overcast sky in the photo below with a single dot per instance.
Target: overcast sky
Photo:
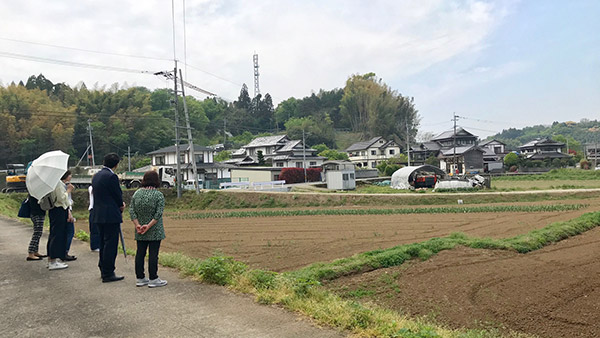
(498, 64)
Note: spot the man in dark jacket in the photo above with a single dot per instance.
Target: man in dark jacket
(107, 215)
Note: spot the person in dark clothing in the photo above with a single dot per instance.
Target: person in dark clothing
(38, 216)
(94, 232)
(107, 215)
(59, 216)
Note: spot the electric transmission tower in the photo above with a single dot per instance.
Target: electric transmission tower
(256, 88)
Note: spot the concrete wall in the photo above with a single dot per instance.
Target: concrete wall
(366, 173)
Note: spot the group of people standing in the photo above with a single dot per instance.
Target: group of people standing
(105, 218)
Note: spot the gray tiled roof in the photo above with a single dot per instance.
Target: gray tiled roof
(542, 142)
(267, 141)
(459, 150)
(460, 131)
(490, 141)
(363, 145)
(289, 146)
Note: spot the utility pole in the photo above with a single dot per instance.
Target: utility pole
(177, 160)
(128, 158)
(224, 131)
(454, 118)
(91, 142)
(189, 135)
(407, 143)
(304, 154)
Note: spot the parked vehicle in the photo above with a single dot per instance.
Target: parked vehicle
(133, 179)
(15, 178)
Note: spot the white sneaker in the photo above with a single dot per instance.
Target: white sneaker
(96, 250)
(155, 283)
(57, 266)
(141, 281)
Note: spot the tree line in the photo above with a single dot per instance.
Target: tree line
(39, 115)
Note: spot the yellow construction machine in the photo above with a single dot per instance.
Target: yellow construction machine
(15, 178)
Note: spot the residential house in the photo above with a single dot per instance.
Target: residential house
(543, 148)
(368, 154)
(279, 151)
(208, 170)
(461, 159)
(493, 158)
(459, 151)
(592, 153)
(420, 153)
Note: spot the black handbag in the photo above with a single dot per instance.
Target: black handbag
(25, 209)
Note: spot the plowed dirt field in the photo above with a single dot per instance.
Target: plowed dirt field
(552, 292)
(288, 243)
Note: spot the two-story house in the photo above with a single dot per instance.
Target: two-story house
(543, 148)
(456, 152)
(279, 151)
(368, 154)
(208, 170)
(493, 158)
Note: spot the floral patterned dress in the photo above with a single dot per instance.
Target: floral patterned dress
(148, 204)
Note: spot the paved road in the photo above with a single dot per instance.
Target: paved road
(35, 302)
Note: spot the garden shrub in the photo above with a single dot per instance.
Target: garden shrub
(296, 175)
(220, 269)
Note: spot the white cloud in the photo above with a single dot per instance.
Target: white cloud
(302, 46)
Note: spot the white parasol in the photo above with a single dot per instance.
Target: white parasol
(45, 172)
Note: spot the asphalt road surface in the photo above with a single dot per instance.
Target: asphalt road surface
(73, 302)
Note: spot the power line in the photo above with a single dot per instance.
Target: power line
(213, 75)
(86, 50)
(71, 63)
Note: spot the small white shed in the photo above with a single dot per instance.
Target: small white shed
(339, 175)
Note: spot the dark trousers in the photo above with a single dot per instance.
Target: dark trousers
(109, 241)
(70, 234)
(94, 234)
(57, 239)
(140, 255)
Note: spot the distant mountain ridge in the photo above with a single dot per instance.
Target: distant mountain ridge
(577, 133)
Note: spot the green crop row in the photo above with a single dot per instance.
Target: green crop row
(398, 211)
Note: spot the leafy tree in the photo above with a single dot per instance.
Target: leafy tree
(334, 155)
(223, 156)
(374, 109)
(314, 132)
(260, 157)
(286, 110)
(320, 147)
(432, 160)
(243, 102)
(511, 159)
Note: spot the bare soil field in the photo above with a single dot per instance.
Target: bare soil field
(288, 243)
(552, 292)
